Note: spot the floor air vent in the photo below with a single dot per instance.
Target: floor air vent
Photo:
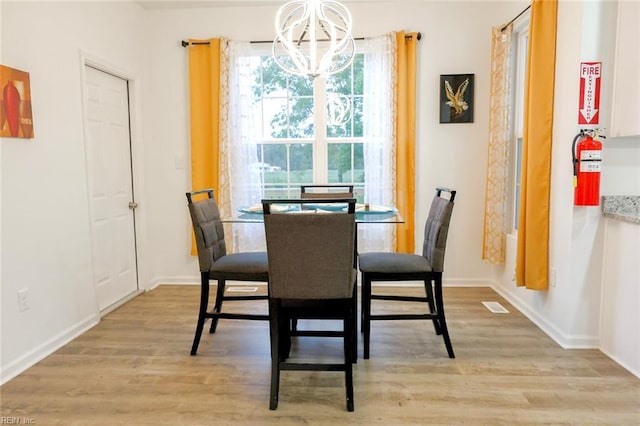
(495, 307)
(242, 289)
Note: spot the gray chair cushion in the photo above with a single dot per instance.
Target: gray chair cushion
(435, 232)
(242, 263)
(393, 263)
(209, 232)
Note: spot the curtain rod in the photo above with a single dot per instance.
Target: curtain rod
(513, 20)
(186, 43)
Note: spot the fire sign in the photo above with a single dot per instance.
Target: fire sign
(589, 103)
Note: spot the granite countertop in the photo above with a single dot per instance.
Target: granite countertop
(622, 207)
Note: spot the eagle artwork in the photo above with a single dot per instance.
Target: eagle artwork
(456, 97)
(456, 101)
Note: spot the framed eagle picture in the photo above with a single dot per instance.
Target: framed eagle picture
(456, 98)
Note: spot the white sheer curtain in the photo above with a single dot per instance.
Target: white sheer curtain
(241, 183)
(239, 149)
(379, 147)
(496, 208)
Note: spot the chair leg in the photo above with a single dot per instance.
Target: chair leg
(432, 306)
(349, 350)
(366, 309)
(274, 329)
(362, 300)
(284, 335)
(354, 324)
(441, 318)
(204, 301)
(218, 306)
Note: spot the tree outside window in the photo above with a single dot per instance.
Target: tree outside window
(311, 131)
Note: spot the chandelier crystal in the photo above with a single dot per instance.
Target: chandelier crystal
(313, 37)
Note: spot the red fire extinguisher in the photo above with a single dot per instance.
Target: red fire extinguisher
(587, 165)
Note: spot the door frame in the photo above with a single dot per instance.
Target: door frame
(133, 82)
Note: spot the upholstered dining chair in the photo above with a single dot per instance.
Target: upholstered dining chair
(216, 264)
(326, 191)
(311, 276)
(427, 267)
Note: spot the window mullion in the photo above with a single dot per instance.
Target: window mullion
(320, 149)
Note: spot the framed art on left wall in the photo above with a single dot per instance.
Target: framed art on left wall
(16, 119)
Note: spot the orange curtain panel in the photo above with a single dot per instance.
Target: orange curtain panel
(204, 97)
(406, 138)
(532, 262)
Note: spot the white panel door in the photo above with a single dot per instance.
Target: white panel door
(108, 145)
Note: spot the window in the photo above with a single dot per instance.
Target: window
(520, 54)
(308, 130)
(284, 130)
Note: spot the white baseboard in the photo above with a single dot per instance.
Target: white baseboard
(120, 302)
(39, 353)
(466, 282)
(624, 364)
(562, 339)
(452, 282)
(447, 282)
(172, 281)
(191, 281)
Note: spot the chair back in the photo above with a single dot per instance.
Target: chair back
(437, 228)
(311, 255)
(208, 228)
(337, 192)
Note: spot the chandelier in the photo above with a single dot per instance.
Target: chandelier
(313, 37)
(338, 109)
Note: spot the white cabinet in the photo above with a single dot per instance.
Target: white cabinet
(620, 314)
(625, 114)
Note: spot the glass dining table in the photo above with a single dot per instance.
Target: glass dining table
(365, 214)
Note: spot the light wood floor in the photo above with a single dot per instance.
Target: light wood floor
(134, 368)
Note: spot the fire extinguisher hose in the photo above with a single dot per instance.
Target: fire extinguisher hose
(575, 158)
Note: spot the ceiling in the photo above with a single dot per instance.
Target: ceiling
(185, 4)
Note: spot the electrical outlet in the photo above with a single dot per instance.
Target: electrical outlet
(23, 296)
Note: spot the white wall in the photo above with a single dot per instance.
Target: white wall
(45, 238)
(455, 39)
(570, 311)
(621, 166)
